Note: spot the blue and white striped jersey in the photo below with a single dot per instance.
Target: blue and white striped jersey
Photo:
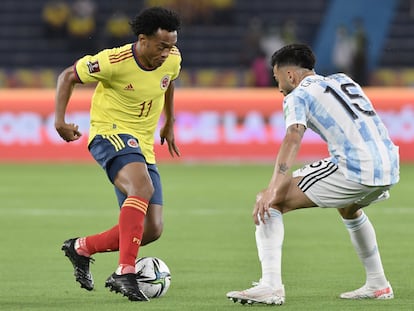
(337, 109)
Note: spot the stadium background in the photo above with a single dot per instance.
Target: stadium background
(48, 194)
(222, 111)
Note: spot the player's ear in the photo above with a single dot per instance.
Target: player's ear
(142, 38)
(290, 76)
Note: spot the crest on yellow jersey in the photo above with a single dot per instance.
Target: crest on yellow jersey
(165, 82)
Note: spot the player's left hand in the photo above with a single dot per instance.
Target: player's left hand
(167, 134)
(264, 200)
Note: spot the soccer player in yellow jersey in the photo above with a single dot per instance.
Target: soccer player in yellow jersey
(135, 84)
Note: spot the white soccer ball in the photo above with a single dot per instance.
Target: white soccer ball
(153, 276)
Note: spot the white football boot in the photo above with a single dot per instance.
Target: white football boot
(259, 294)
(368, 293)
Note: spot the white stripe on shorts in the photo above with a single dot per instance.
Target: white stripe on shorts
(320, 170)
(326, 186)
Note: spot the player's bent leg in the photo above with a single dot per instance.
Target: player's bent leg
(269, 240)
(364, 240)
(153, 225)
(134, 181)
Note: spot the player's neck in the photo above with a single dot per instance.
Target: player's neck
(303, 73)
(143, 62)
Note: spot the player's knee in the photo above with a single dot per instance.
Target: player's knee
(150, 189)
(157, 229)
(351, 212)
(144, 191)
(152, 232)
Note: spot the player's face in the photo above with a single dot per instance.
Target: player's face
(154, 50)
(284, 78)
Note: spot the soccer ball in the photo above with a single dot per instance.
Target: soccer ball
(153, 276)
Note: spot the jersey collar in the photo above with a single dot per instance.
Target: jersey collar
(134, 52)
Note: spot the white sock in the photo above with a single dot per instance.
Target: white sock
(364, 240)
(269, 240)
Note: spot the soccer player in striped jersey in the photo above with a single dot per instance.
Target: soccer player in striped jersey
(135, 84)
(362, 167)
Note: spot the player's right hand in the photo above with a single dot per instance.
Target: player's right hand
(69, 132)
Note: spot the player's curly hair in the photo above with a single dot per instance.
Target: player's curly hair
(148, 21)
(294, 54)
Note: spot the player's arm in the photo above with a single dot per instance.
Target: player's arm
(167, 131)
(65, 84)
(281, 178)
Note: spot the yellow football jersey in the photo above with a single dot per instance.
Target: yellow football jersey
(128, 98)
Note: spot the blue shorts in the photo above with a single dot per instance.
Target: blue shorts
(113, 152)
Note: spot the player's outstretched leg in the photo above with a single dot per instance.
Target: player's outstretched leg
(127, 285)
(80, 264)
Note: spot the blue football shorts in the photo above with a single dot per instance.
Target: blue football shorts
(113, 152)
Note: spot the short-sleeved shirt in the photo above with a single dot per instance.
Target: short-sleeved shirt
(338, 110)
(128, 98)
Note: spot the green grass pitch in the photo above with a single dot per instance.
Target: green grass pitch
(208, 241)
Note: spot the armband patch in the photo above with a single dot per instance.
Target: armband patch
(93, 66)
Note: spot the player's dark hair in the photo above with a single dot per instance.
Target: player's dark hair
(294, 54)
(148, 21)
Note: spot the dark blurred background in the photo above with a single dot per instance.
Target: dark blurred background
(224, 43)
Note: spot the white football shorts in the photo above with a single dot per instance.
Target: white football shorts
(325, 184)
